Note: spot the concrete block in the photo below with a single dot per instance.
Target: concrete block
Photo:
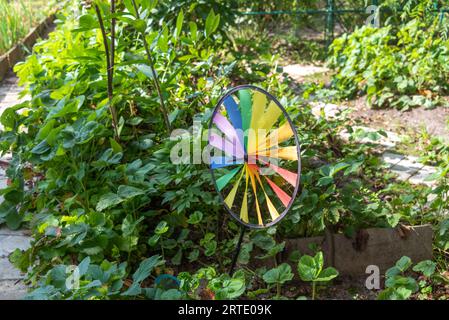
(8, 271)
(392, 158)
(377, 246)
(9, 243)
(4, 231)
(421, 176)
(407, 167)
(12, 290)
(389, 141)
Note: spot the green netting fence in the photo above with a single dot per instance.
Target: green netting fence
(330, 10)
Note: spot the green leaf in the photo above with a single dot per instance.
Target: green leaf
(41, 148)
(212, 22)
(146, 267)
(193, 30)
(211, 247)
(146, 70)
(309, 267)
(13, 220)
(116, 147)
(129, 6)
(327, 274)
(193, 255)
(128, 192)
(404, 263)
(173, 115)
(176, 260)
(153, 240)
(426, 267)
(195, 217)
(108, 200)
(263, 241)
(324, 181)
(162, 42)
(88, 22)
(161, 228)
(231, 289)
(337, 168)
(140, 25)
(129, 225)
(83, 266)
(133, 290)
(179, 21)
(281, 274)
(171, 294)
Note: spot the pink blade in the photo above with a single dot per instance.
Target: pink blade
(231, 149)
(289, 176)
(284, 197)
(281, 194)
(226, 127)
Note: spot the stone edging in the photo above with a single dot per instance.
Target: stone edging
(17, 53)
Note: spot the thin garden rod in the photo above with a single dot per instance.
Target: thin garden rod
(237, 251)
(153, 71)
(113, 22)
(108, 72)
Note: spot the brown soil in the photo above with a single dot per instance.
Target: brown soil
(434, 121)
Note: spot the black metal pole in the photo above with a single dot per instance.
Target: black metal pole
(237, 251)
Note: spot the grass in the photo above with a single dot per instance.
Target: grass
(17, 17)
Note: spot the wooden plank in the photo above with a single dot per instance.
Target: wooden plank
(4, 66)
(16, 53)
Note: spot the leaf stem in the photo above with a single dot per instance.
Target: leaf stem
(278, 290)
(313, 290)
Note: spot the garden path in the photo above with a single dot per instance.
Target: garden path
(406, 167)
(11, 280)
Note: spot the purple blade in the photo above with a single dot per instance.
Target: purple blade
(231, 149)
(226, 127)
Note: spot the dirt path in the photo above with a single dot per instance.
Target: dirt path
(433, 121)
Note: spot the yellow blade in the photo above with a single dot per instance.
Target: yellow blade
(253, 183)
(271, 208)
(273, 212)
(259, 103)
(231, 196)
(287, 153)
(270, 116)
(277, 136)
(244, 209)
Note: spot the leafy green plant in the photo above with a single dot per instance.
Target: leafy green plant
(278, 276)
(398, 65)
(310, 269)
(401, 287)
(207, 284)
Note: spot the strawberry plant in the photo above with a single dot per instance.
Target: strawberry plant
(310, 269)
(400, 65)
